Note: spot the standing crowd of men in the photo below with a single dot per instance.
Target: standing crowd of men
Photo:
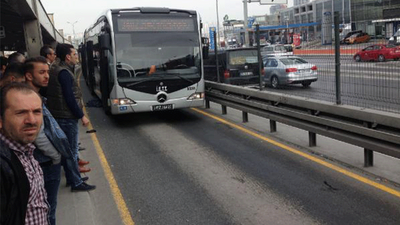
(40, 108)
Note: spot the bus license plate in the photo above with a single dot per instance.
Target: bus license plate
(163, 107)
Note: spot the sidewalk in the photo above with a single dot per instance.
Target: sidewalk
(95, 207)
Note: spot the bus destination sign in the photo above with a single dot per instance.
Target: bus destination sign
(163, 25)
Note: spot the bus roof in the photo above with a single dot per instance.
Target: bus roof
(160, 10)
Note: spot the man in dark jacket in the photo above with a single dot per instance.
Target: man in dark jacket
(23, 197)
(64, 101)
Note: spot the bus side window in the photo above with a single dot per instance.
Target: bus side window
(89, 50)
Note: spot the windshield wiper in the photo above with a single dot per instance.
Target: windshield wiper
(182, 78)
(142, 81)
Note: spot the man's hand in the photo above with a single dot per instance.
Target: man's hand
(85, 121)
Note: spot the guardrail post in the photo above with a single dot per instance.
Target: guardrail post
(368, 154)
(312, 139)
(223, 109)
(207, 104)
(272, 126)
(245, 117)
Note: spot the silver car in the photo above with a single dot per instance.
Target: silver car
(282, 70)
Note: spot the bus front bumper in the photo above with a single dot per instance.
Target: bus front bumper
(149, 106)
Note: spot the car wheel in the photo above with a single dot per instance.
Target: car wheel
(358, 58)
(306, 84)
(381, 58)
(396, 59)
(274, 82)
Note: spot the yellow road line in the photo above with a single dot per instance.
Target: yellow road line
(305, 155)
(118, 198)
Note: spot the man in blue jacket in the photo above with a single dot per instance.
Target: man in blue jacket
(51, 143)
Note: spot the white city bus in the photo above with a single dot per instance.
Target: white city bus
(144, 59)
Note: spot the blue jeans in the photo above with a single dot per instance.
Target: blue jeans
(71, 129)
(52, 177)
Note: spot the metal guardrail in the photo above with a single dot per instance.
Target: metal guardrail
(371, 129)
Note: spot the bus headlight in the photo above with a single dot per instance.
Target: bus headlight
(195, 96)
(123, 101)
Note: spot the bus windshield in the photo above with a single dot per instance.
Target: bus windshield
(144, 47)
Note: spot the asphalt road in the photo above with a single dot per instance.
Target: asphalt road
(374, 85)
(181, 167)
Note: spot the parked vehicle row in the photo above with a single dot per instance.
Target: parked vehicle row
(240, 66)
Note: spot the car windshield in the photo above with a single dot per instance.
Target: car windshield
(243, 56)
(280, 48)
(293, 61)
(268, 49)
(390, 46)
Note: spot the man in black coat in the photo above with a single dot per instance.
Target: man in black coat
(23, 197)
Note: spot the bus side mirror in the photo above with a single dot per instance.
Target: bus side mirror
(105, 41)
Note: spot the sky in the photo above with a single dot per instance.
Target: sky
(85, 12)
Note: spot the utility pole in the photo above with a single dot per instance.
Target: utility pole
(73, 29)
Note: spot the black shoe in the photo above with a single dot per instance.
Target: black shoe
(81, 148)
(83, 179)
(83, 187)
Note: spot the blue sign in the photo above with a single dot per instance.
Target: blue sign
(250, 21)
(212, 43)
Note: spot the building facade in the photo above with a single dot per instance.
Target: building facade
(380, 18)
(276, 8)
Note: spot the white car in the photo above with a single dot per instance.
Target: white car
(395, 39)
(274, 50)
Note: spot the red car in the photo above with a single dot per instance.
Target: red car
(379, 52)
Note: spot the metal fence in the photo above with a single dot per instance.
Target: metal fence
(368, 75)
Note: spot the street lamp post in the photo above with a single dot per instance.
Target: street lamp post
(218, 37)
(287, 30)
(73, 29)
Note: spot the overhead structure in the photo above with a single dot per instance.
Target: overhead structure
(246, 19)
(272, 2)
(25, 27)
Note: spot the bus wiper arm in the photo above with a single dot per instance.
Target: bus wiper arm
(140, 81)
(183, 78)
